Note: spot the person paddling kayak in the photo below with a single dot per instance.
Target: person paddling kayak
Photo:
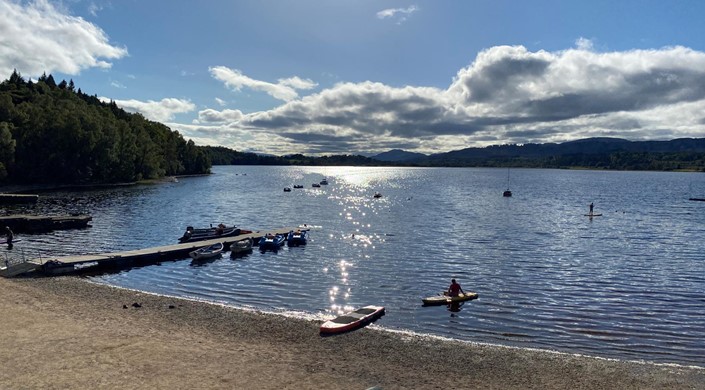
(454, 289)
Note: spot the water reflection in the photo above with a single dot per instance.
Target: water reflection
(548, 277)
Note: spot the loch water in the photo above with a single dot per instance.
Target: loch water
(629, 284)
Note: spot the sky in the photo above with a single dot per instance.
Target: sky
(364, 77)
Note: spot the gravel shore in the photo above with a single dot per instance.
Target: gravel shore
(66, 332)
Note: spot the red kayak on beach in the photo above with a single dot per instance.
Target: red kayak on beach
(352, 320)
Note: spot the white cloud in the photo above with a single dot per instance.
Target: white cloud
(221, 102)
(117, 84)
(584, 44)
(36, 37)
(94, 8)
(159, 111)
(398, 14)
(213, 116)
(507, 95)
(285, 89)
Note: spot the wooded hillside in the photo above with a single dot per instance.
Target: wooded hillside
(55, 133)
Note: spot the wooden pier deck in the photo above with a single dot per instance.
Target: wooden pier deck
(132, 258)
(6, 198)
(21, 223)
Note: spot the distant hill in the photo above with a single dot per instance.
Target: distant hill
(398, 155)
(603, 153)
(583, 146)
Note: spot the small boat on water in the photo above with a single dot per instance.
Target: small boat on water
(315, 185)
(507, 193)
(297, 237)
(242, 246)
(287, 189)
(352, 320)
(271, 241)
(221, 230)
(377, 195)
(324, 182)
(298, 186)
(445, 299)
(207, 252)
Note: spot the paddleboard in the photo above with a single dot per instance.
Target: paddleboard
(446, 300)
(593, 215)
(352, 320)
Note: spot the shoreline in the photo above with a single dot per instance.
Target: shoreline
(67, 332)
(402, 333)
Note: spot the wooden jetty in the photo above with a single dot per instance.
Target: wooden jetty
(126, 259)
(20, 223)
(18, 198)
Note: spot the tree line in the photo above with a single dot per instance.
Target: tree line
(55, 133)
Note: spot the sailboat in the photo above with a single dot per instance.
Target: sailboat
(507, 193)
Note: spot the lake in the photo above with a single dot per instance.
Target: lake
(629, 284)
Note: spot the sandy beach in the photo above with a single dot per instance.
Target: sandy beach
(65, 332)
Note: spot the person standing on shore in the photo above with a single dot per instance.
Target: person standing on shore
(454, 289)
(10, 236)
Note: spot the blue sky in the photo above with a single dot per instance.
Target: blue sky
(337, 76)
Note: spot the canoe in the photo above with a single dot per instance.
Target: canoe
(446, 300)
(241, 246)
(296, 238)
(352, 320)
(207, 252)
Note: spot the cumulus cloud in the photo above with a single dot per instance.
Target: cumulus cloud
(158, 111)
(36, 37)
(398, 14)
(508, 94)
(213, 116)
(284, 89)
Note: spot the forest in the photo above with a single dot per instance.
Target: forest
(55, 134)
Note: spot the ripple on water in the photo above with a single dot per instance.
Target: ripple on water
(626, 285)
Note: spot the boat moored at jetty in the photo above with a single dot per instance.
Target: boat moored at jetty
(207, 252)
(271, 241)
(297, 237)
(210, 233)
(242, 246)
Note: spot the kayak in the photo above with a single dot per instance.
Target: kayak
(352, 320)
(446, 300)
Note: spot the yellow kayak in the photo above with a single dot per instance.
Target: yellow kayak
(446, 300)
